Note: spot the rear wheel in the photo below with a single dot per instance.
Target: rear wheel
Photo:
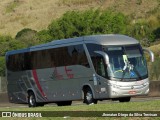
(125, 99)
(88, 97)
(31, 100)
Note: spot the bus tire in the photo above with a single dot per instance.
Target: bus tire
(125, 99)
(31, 100)
(88, 97)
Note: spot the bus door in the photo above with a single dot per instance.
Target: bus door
(99, 78)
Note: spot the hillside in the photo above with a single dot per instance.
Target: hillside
(37, 14)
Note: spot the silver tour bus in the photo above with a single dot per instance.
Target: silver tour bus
(88, 68)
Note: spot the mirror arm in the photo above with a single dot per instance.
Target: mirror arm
(150, 53)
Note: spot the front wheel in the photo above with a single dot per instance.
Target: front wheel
(88, 97)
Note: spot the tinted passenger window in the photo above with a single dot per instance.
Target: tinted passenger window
(56, 57)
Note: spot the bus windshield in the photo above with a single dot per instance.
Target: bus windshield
(126, 62)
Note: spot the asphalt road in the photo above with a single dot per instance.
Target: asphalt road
(135, 99)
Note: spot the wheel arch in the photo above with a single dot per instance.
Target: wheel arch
(85, 86)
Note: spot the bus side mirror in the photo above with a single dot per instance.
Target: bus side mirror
(150, 53)
(105, 56)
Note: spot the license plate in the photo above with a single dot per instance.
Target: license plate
(132, 92)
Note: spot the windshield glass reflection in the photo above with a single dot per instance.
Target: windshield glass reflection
(126, 62)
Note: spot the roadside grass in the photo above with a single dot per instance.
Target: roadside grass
(109, 106)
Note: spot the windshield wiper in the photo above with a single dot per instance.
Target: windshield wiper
(135, 70)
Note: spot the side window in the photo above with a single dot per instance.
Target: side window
(41, 59)
(97, 59)
(78, 55)
(59, 57)
(55, 57)
(27, 61)
(99, 65)
(82, 58)
(34, 57)
(20, 61)
(11, 63)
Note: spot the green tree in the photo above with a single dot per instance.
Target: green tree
(4, 44)
(157, 33)
(7, 43)
(142, 32)
(44, 36)
(2, 66)
(28, 37)
(74, 24)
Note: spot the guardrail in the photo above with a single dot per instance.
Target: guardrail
(3, 84)
(154, 88)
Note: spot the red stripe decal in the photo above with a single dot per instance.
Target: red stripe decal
(37, 82)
